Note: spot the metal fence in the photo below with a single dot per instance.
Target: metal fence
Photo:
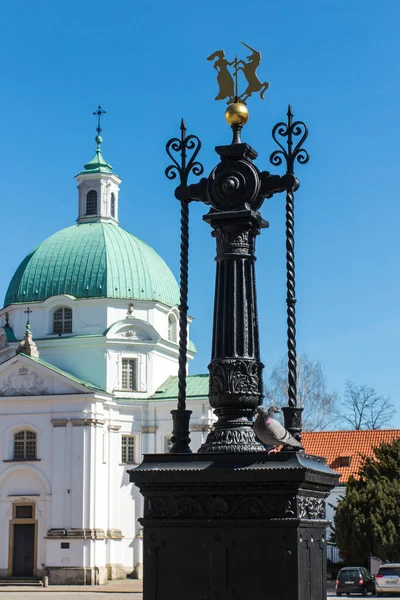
(332, 553)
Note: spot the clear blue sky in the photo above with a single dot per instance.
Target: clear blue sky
(336, 62)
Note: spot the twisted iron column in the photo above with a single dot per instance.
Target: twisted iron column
(180, 416)
(183, 304)
(292, 412)
(291, 301)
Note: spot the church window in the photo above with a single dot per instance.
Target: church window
(172, 328)
(24, 511)
(128, 449)
(62, 320)
(25, 445)
(129, 374)
(112, 205)
(91, 202)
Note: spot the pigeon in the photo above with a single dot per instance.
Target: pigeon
(271, 432)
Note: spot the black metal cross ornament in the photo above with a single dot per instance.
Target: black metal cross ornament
(28, 311)
(99, 113)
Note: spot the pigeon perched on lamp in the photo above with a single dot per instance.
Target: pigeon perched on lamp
(270, 432)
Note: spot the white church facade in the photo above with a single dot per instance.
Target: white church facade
(86, 387)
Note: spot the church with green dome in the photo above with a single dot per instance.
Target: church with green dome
(88, 376)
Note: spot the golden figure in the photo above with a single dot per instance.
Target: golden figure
(224, 78)
(249, 70)
(228, 82)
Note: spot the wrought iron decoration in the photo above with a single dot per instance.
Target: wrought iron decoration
(289, 130)
(235, 190)
(180, 433)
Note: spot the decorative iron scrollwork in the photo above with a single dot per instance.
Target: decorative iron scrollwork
(288, 130)
(235, 376)
(213, 506)
(232, 440)
(185, 167)
(310, 507)
(234, 240)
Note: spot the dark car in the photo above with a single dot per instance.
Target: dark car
(354, 580)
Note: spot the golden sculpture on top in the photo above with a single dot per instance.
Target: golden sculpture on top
(228, 82)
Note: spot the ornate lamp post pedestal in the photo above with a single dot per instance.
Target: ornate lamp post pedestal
(234, 526)
(234, 522)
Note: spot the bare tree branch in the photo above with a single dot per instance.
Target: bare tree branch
(362, 408)
(319, 405)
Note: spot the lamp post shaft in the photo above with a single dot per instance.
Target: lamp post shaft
(235, 367)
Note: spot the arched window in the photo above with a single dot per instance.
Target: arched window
(172, 328)
(91, 202)
(25, 445)
(62, 320)
(112, 209)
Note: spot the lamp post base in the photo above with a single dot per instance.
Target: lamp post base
(234, 526)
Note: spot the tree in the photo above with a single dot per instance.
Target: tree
(362, 408)
(367, 519)
(319, 405)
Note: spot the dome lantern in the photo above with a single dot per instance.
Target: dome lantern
(98, 187)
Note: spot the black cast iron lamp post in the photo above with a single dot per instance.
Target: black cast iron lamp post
(234, 192)
(221, 522)
(235, 189)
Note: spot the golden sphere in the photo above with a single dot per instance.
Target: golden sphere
(237, 114)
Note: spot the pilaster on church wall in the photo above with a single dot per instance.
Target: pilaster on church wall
(116, 519)
(60, 485)
(99, 473)
(79, 476)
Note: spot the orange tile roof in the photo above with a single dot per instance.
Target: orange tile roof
(336, 445)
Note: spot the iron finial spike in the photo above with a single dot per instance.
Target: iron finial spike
(289, 111)
(183, 129)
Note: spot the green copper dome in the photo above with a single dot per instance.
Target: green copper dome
(93, 260)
